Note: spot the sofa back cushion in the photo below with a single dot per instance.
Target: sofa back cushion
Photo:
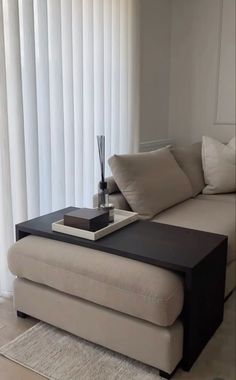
(150, 181)
(189, 159)
(219, 164)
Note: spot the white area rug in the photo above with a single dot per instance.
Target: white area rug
(58, 355)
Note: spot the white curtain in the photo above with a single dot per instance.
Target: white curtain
(68, 72)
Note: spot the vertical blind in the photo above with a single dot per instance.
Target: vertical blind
(68, 72)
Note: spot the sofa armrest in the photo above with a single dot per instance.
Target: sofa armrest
(112, 186)
(115, 196)
(117, 199)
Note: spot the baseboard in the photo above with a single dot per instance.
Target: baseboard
(148, 146)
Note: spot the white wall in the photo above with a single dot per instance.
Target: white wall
(202, 78)
(154, 69)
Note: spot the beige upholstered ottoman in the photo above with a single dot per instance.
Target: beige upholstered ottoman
(125, 305)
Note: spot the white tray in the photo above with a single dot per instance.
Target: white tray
(121, 219)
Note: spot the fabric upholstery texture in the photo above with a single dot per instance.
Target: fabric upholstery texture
(219, 165)
(111, 185)
(135, 288)
(207, 213)
(230, 281)
(119, 201)
(160, 347)
(147, 181)
(189, 159)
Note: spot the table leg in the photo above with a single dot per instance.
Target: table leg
(204, 303)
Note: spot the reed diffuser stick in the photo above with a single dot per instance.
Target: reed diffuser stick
(101, 151)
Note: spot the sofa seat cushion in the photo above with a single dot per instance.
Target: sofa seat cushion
(211, 213)
(138, 289)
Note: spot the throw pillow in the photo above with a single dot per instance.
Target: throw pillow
(150, 181)
(219, 166)
(189, 159)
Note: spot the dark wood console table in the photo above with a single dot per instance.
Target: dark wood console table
(200, 257)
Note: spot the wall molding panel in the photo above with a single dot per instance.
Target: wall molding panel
(148, 146)
(225, 93)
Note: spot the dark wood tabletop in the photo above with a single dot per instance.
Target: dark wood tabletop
(159, 244)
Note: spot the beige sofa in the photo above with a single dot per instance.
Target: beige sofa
(128, 306)
(212, 213)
